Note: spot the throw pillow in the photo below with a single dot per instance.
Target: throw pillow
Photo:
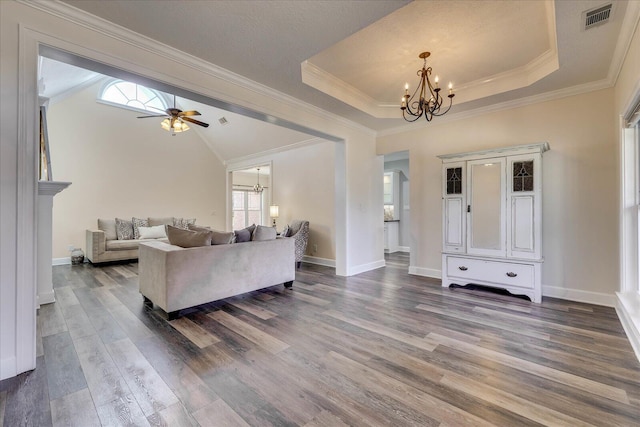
(154, 232)
(124, 229)
(286, 232)
(245, 234)
(187, 238)
(221, 237)
(183, 222)
(109, 228)
(198, 228)
(160, 221)
(263, 233)
(138, 222)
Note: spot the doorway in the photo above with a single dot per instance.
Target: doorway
(396, 207)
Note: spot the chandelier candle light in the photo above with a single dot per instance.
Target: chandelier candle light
(426, 99)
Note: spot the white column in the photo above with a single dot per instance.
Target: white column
(46, 191)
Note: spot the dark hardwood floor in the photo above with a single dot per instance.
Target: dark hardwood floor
(380, 348)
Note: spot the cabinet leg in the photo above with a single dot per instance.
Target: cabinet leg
(288, 285)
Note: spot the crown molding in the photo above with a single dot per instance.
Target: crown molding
(127, 36)
(242, 161)
(516, 78)
(630, 23)
(516, 103)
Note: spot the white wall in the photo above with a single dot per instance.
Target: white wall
(579, 180)
(304, 188)
(124, 167)
(358, 192)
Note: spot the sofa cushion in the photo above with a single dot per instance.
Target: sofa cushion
(187, 238)
(127, 245)
(263, 233)
(109, 228)
(121, 245)
(155, 232)
(124, 229)
(245, 234)
(183, 222)
(160, 221)
(138, 222)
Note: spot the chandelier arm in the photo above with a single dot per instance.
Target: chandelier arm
(411, 120)
(447, 110)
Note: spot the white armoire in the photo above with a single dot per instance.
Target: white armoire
(492, 219)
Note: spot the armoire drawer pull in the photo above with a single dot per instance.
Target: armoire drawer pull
(463, 268)
(511, 274)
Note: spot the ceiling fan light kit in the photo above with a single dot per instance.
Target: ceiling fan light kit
(426, 100)
(175, 119)
(176, 127)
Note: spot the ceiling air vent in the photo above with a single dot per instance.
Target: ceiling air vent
(223, 120)
(595, 17)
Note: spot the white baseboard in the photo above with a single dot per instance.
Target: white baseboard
(47, 298)
(319, 261)
(628, 310)
(404, 249)
(426, 272)
(61, 261)
(365, 267)
(8, 368)
(578, 295)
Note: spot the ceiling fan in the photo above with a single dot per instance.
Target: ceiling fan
(175, 119)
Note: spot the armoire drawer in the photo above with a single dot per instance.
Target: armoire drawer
(498, 272)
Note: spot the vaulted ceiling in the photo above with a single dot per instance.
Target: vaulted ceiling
(352, 58)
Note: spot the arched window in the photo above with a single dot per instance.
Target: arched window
(134, 96)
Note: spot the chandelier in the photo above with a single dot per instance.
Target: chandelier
(426, 99)
(258, 188)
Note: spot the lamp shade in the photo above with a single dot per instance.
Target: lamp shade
(178, 126)
(274, 211)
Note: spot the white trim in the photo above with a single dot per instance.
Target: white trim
(235, 162)
(627, 30)
(26, 203)
(362, 268)
(319, 261)
(628, 310)
(405, 249)
(506, 105)
(61, 261)
(512, 79)
(46, 298)
(8, 367)
(426, 272)
(578, 295)
(125, 35)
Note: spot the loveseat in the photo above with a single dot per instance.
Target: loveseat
(175, 278)
(116, 239)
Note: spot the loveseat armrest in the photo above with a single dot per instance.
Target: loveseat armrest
(96, 244)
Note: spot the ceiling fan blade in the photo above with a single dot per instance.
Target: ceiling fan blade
(195, 122)
(158, 115)
(189, 113)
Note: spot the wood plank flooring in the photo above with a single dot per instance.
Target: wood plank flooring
(379, 349)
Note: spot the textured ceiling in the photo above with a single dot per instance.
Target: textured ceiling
(267, 41)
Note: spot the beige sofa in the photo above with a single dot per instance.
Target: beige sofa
(102, 244)
(175, 278)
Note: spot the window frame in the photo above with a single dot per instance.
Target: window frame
(163, 97)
